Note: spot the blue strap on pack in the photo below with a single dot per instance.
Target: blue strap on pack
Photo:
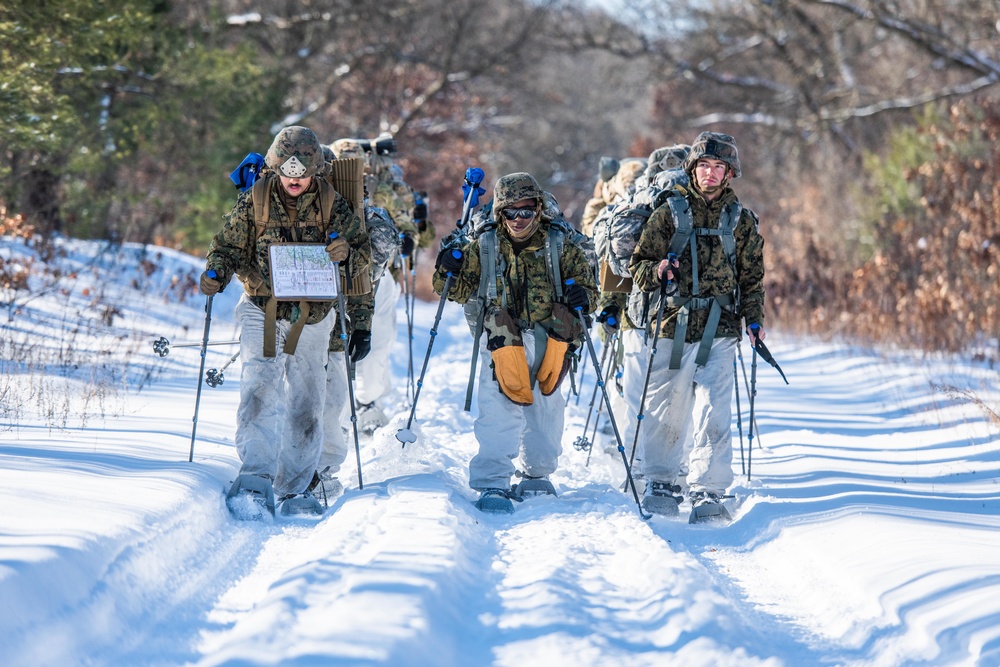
(473, 177)
(246, 174)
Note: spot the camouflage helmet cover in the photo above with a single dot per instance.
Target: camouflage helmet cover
(624, 181)
(673, 157)
(717, 146)
(347, 148)
(295, 153)
(513, 188)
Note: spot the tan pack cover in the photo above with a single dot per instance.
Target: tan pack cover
(612, 282)
(347, 178)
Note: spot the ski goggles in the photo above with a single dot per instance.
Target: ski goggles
(515, 213)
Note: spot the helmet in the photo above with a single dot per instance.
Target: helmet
(328, 154)
(670, 157)
(717, 146)
(512, 188)
(624, 181)
(295, 153)
(347, 148)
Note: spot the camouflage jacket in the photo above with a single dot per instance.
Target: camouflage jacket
(715, 275)
(526, 282)
(238, 250)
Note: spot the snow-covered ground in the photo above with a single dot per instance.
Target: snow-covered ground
(868, 534)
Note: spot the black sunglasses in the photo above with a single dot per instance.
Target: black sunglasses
(515, 213)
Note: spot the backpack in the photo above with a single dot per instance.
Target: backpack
(384, 239)
(618, 228)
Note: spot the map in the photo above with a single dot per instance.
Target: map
(302, 271)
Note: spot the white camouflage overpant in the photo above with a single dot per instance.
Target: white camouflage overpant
(373, 374)
(335, 413)
(279, 423)
(690, 403)
(504, 429)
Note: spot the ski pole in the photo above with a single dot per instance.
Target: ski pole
(342, 307)
(201, 371)
(739, 416)
(649, 364)
(746, 382)
(214, 377)
(409, 324)
(162, 346)
(471, 190)
(582, 443)
(583, 376)
(405, 435)
(597, 419)
(753, 395)
(607, 402)
(411, 309)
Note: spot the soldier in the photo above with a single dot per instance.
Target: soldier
(531, 331)
(715, 281)
(663, 169)
(388, 192)
(279, 430)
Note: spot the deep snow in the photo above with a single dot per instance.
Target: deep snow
(867, 536)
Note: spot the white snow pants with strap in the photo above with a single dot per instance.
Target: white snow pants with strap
(504, 429)
(279, 423)
(692, 399)
(335, 412)
(373, 374)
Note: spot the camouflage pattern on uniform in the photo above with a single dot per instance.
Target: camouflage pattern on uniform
(237, 250)
(530, 294)
(715, 273)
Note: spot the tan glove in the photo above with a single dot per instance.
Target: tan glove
(209, 286)
(553, 367)
(338, 249)
(511, 368)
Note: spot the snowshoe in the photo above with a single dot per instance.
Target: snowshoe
(325, 486)
(495, 501)
(706, 506)
(532, 486)
(300, 503)
(370, 418)
(250, 497)
(661, 498)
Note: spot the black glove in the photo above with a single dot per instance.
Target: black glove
(610, 317)
(360, 344)
(576, 297)
(407, 246)
(447, 260)
(422, 226)
(420, 212)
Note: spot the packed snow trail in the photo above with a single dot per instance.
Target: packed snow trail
(868, 535)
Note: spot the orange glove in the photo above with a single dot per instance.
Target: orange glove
(511, 368)
(553, 367)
